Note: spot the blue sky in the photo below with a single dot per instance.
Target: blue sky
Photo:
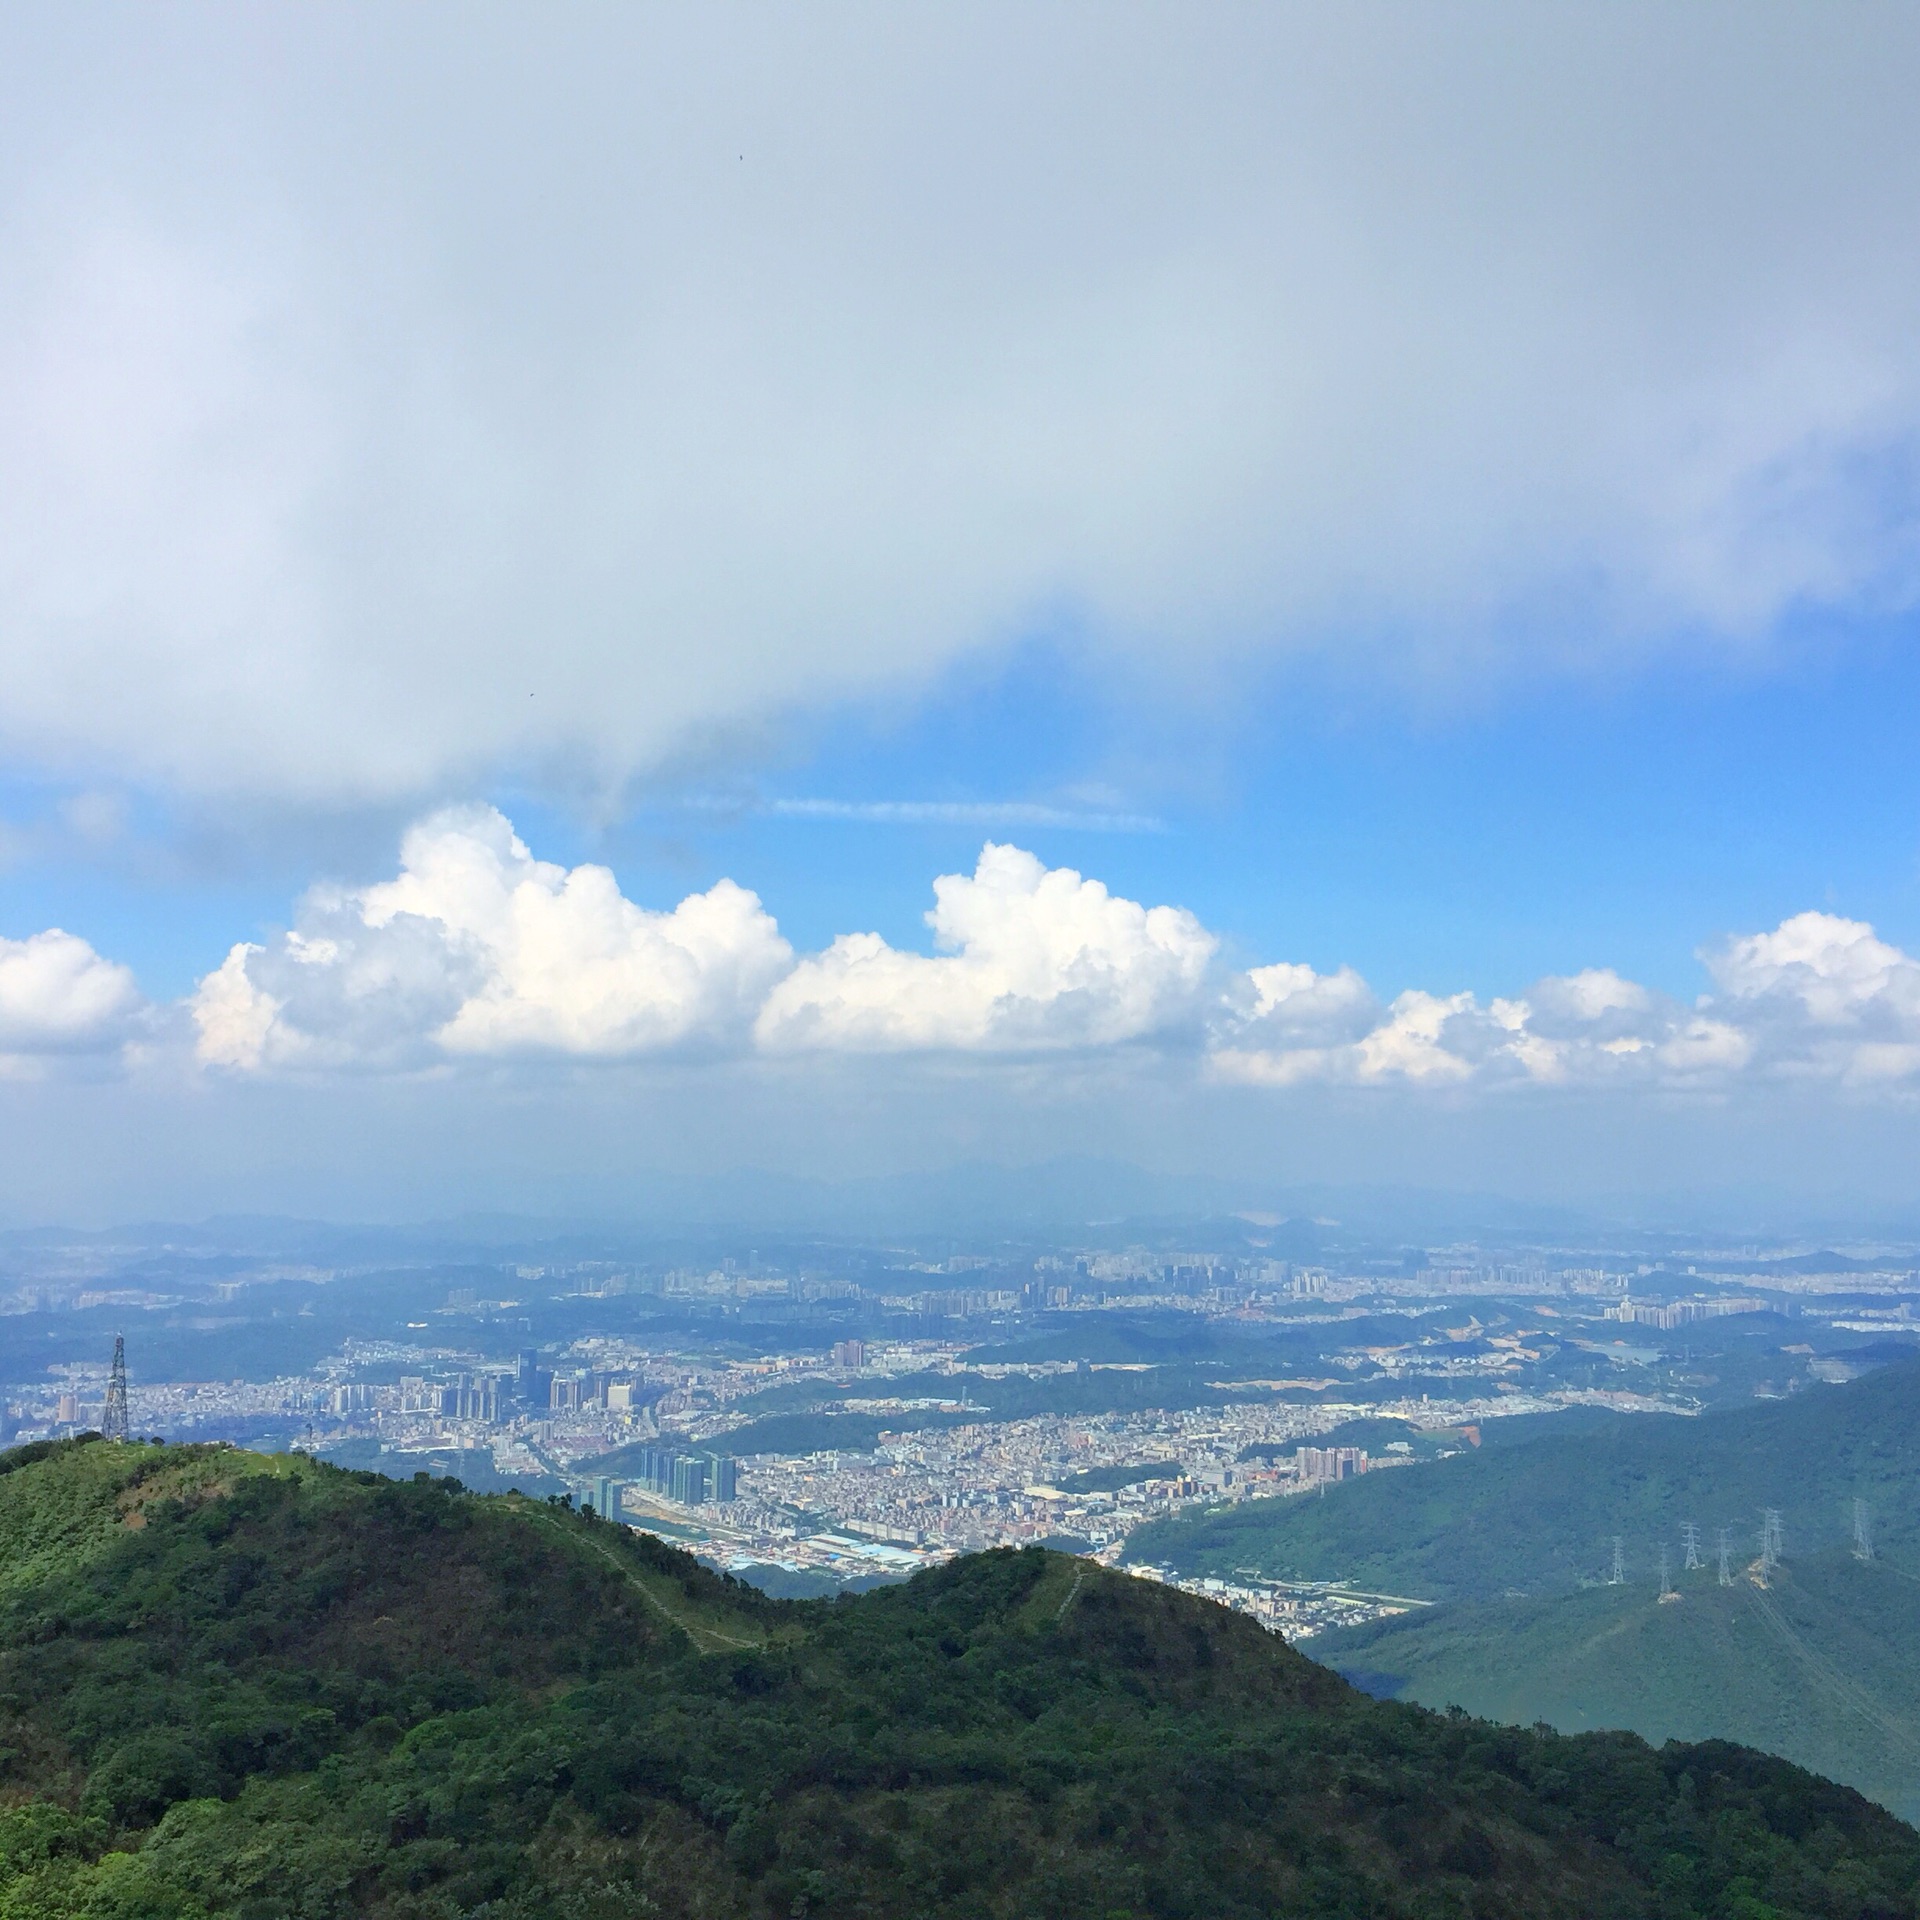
(1540, 828)
(1407, 542)
(1526, 829)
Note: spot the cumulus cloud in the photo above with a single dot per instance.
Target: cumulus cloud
(371, 418)
(1032, 958)
(477, 948)
(1589, 1028)
(59, 996)
(1823, 995)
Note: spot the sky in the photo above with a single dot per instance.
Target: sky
(1315, 595)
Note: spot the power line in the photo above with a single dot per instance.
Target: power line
(113, 1416)
(1844, 1691)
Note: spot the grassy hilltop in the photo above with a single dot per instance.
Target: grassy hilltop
(234, 1688)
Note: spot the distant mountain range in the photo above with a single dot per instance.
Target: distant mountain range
(1081, 1195)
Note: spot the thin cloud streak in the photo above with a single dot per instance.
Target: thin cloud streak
(965, 813)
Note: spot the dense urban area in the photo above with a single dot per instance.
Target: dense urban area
(818, 1416)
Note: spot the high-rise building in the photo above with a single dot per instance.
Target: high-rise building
(849, 1353)
(606, 1498)
(1329, 1463)
(690, 1481)
(723, 1478)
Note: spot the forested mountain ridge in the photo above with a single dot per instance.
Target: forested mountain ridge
(234, 1687)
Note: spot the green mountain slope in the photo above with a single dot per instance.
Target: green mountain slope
(1822, 1668)
(234, 1688)
(1541, 1517)
(1819, 1666)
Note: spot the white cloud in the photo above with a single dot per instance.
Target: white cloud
(1411, 1043)
(1823, 996)
(1838, 972)
(1818, 998)
(1296, 1002)
(1704, 1046)
(1033, 958)
(237, 1021)
(1589, 1028)
(1597, 997)
(477, 948)
(965, 813)
(59, 996)
(371, 419)
(1289, 1024)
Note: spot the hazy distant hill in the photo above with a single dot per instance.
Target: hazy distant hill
(1541, 1517)
(1822, 1666)
(234, 1687)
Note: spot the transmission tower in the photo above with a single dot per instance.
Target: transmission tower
(1690, 1540)
(1666, 1578)
(1726, 1558)
(1862, 1531)
(1618, 1577)
(113, 1416)
(1771, 1544)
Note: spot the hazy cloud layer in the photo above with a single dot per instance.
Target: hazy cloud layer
(389, 395)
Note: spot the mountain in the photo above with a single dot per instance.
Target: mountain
(1817, 1659)
(1541, 1517)
(234, 1687)
(1816, 1665)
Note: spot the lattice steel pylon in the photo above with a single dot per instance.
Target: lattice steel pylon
(1690, 1540)
(1772, 1545)
(1862, 1531)
(113, 1416)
